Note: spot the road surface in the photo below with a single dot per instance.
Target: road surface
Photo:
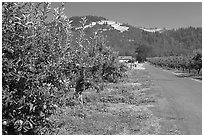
(182, 99)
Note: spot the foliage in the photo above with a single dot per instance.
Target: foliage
(197, 60)
(40, 65)
(194, 61)
(190, 37)
(141, 52)
(33, 61)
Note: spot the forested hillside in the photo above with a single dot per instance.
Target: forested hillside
(190, 37)
(158, 43)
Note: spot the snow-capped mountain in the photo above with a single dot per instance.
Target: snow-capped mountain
(125, 38)
(94, 20)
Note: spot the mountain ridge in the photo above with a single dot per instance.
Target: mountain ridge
(126, 38)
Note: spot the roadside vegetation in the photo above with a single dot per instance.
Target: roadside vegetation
(191, 64)
(121, 108)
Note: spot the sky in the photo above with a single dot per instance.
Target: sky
(142, 14)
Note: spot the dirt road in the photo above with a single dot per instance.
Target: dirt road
(181, 100)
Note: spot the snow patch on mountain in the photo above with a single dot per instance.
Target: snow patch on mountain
(160, 30)
(90, 25)
(115, 25)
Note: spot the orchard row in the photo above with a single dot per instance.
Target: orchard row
(41, 63)
(191, 62)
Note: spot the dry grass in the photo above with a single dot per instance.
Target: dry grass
(121, 108)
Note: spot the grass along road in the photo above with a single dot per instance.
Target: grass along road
(121, 108)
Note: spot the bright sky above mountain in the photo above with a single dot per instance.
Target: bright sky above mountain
(144, 14)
